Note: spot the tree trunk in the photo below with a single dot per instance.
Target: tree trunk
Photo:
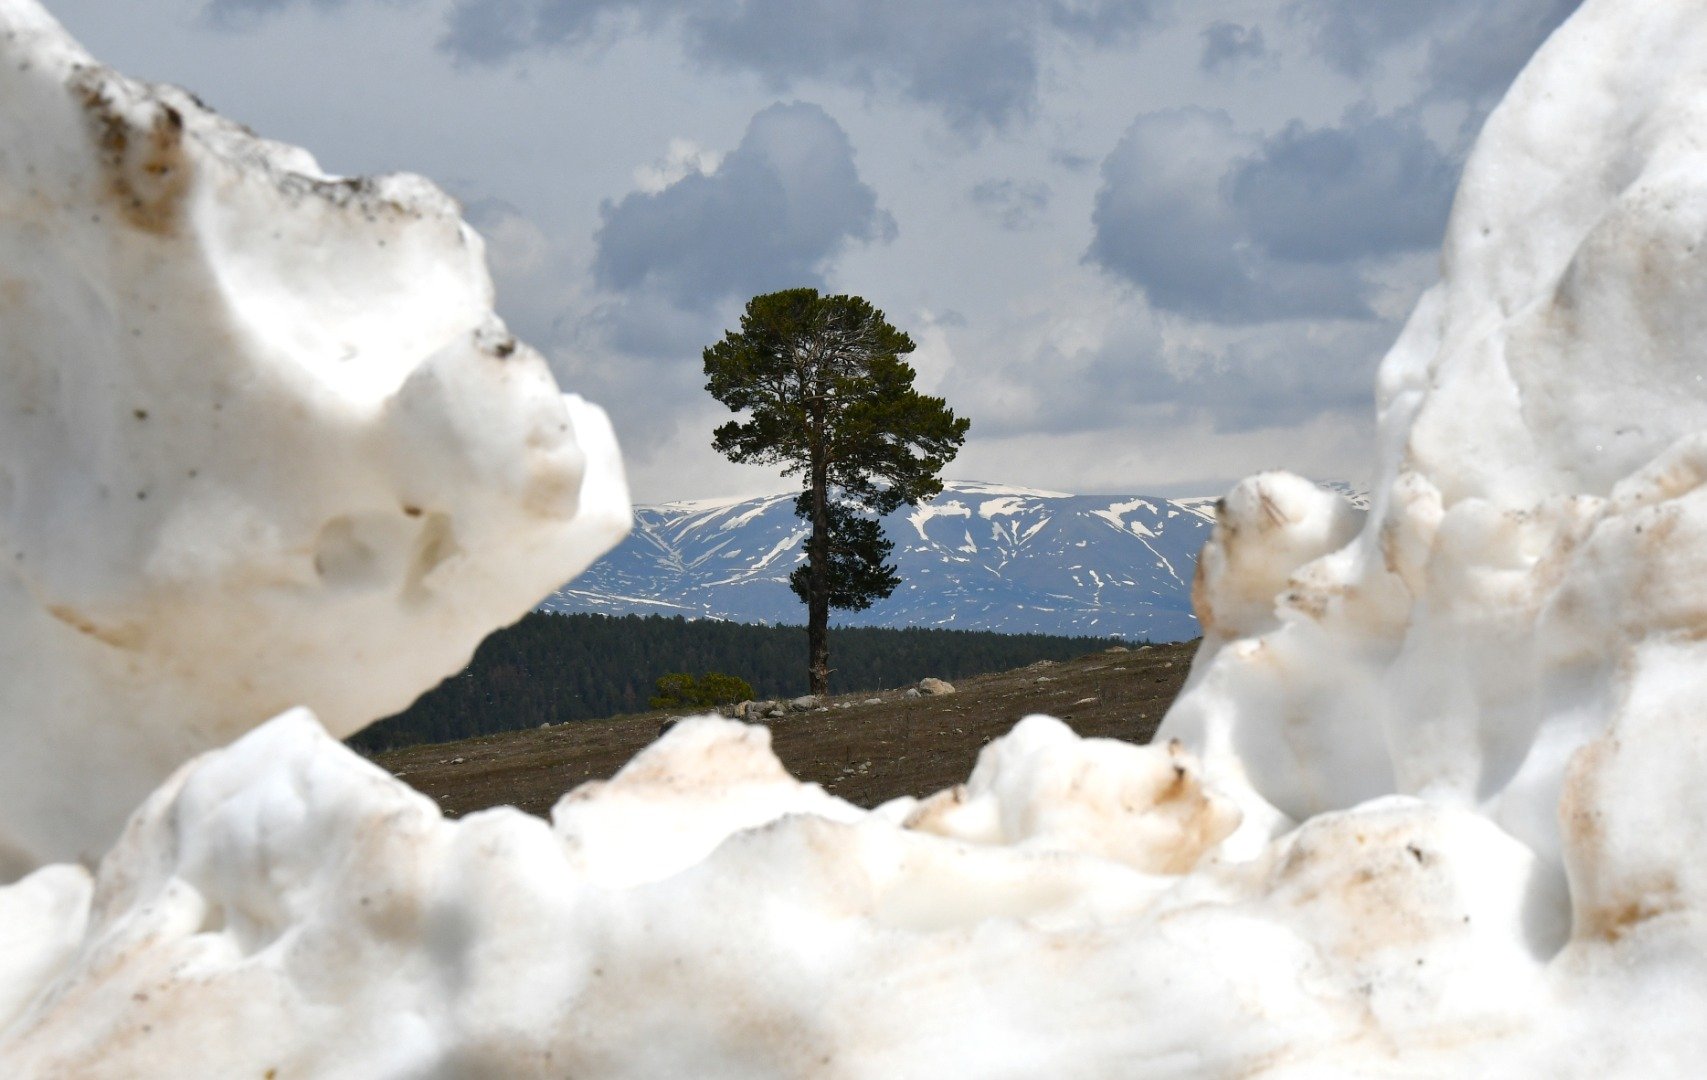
(818, 582)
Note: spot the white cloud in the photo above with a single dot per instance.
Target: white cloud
(684, 158)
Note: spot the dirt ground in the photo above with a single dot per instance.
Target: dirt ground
(864, 751)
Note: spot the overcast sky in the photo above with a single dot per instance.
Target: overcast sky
(1146, 245)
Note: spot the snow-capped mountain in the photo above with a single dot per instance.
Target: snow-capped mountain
(977, 557)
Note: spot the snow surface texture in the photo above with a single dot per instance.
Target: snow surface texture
(1436, 808)
(262, 443)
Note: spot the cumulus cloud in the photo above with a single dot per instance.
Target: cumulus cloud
(1222, 225)
(1012, 204)
(976, 61)
(1370, 186)
(1352, 35)
(649, 326)
(1479, 58)
(1232, 227)
(1163, 222)
(684, 158)
(1227, 43)
(1270, 265)
(772, 214)
(1475, 48)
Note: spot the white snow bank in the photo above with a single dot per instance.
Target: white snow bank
(1536, 533)
(703, 915)
(283, 905)
(1433, 808)
(262, 442)
(1042, 787)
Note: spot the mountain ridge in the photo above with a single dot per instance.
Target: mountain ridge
(980, 555)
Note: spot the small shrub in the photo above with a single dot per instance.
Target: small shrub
(716, 688)
(679, 690)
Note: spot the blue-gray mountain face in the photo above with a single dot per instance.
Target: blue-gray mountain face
(977, 557)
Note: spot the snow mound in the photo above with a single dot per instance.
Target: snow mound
(262, 442)
(1430, 804)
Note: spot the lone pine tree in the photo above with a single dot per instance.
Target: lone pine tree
(828, 396)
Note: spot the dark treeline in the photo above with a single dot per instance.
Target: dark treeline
(547, 669)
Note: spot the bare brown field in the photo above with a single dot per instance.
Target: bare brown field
(862, 750)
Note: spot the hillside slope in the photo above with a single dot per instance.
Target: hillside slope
(556, 668)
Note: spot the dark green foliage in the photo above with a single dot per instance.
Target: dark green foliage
(675, 690)
(828, 396)
(548, 669)
(679, 690)
(859, 575)
(716, 688)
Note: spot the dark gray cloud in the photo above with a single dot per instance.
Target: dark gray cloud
(1475, 47)
(243, 14)
(779, 208)
(1012, 204)
(1163, 222)
(490, 31)
(977, 61)
(1352, 35)
(650, 327)
(1227, 43)
(1214, 224)
(1371, 186)
(1223, 226)
(1480, 58)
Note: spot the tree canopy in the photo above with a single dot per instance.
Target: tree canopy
(827, 395)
